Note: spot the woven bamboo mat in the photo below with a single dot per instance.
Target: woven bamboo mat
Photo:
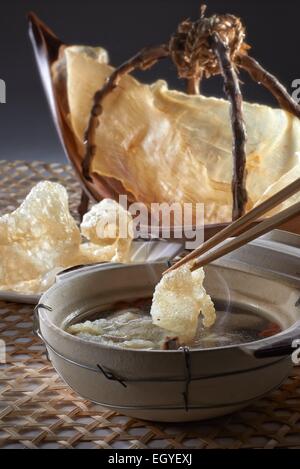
(37, 410)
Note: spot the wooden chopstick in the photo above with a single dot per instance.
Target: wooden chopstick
(253, 233)
(241, 224)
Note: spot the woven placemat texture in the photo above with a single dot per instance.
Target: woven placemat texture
(37, 410)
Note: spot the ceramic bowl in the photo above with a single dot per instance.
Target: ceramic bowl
(176, 385)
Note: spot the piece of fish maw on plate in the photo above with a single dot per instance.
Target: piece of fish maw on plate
(39, 236)
(108, 228)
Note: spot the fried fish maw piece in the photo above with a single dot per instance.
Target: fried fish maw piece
(39, 237)
(108, 228)
(178, 301)
(167, 146)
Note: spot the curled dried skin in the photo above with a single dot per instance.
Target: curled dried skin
(149, 131)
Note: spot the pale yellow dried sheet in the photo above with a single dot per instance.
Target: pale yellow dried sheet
(283, 182)
(167, 146)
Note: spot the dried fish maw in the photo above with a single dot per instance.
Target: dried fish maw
(108, 227)
(126, 328)
(178, 301)
(166, 146)
(283, 182)
(39, 236)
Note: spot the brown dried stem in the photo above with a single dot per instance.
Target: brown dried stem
(193, 85)
(269, 81)
(84, 204)
(232, 89)
(145, 59)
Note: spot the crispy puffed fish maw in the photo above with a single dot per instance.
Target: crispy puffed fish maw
(108, 228)
(38, 238)
(167, 146)
(179, 299)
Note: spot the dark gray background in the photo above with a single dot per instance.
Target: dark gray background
(123, 27)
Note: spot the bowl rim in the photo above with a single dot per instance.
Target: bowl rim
(228, 263)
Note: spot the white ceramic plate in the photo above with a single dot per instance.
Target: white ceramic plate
(277, 251)
(142, 251)
(13, 297)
